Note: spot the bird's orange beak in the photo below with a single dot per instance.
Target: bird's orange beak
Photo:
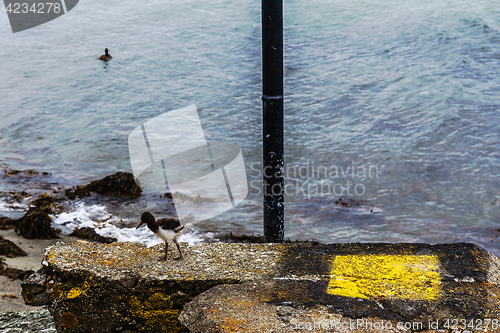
(140, 223)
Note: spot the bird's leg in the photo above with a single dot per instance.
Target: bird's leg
(166, 249)
(178, 248)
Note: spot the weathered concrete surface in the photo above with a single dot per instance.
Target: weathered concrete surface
(37, 321)
(400, 287)
(247, 307)
(122, 287)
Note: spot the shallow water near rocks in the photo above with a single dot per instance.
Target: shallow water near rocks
(406, 90)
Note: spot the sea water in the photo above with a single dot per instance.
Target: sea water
(391, 104)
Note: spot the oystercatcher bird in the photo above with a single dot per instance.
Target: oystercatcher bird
(167, 229)
(106, 56)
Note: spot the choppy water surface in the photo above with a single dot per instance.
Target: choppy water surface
(404, 93)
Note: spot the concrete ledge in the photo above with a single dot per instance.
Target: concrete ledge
(246, 308)
(122, 287)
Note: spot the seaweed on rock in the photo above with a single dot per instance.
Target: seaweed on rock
(15, 273)
(8, 172)
(90, 234)
(7, 223)
(36, 224)
(119, 184)
(47, 203)
(10, 249)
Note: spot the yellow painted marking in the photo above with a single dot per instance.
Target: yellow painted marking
(413, 277)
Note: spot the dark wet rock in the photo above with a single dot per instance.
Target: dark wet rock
(39, 320)
(47, 203)
(10, 249)
(167, 195)
(348, 202)
(120, 184)
(15, 273)
(90, 234)
(8, 172)
(36, 224)
(7, 223)
(78, 191)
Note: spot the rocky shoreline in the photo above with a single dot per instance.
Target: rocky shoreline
(283, 284)
(10, 287)
(23, 240)
(222, 287)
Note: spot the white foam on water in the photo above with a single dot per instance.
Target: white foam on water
(104, 224)
(13, 207)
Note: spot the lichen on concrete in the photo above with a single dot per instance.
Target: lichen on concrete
(158, 311)
(244, 309)
(123, 287)
(103, 287)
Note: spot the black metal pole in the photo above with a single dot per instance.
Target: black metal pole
(272, 88)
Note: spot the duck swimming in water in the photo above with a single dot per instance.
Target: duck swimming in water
(106, 56)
